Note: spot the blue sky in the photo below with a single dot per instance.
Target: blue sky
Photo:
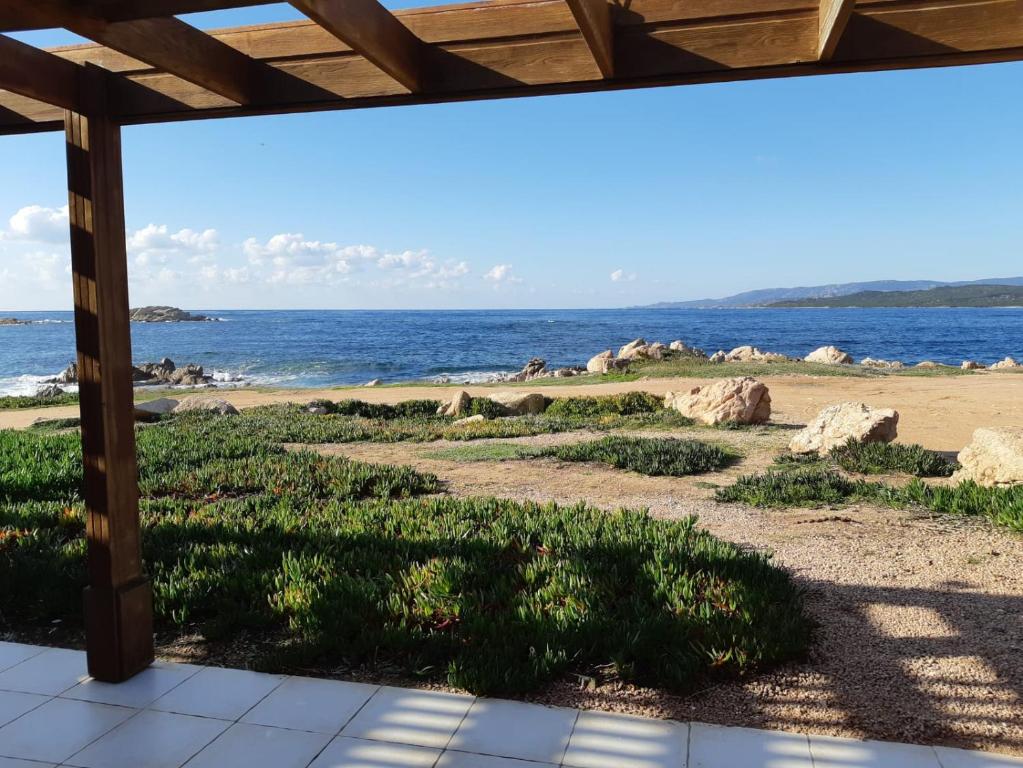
(574, 201)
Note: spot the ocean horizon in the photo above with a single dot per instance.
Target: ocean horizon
(323, 348)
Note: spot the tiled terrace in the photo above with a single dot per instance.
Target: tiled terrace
(175, 715)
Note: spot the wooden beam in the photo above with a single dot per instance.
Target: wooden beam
(37, 74)
(118, 600)
(833, 18)
(374, 32)
(597, 26)
(514, 48)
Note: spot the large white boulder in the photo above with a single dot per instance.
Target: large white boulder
(750, 354)
(743, 400)
(994, 457)
(605, 363)
(1004, 364)
(829, 356)
(521, 403)
(208, 404)
(459, 405)
(634, 349)
(837, 424)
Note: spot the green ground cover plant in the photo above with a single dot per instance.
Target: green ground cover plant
(815, 485)
(338, 563)
(14, 402)
(891, 458)
(648, 456)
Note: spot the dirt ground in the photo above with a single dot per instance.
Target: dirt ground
(920, 634)
(940, 412)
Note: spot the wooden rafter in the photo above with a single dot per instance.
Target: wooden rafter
(595, 22)
(834, 17)
(513, 48)
(373, 31)
(37, 75)
(173, 46)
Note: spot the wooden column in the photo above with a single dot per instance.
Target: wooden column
(118, 600)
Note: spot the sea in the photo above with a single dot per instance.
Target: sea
(301, 348)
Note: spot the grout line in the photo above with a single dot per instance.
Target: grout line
(458, 727)
(689, 743)
(571, 733)
(105, 733)
(809, 751)
(39, 649)
(282, 681)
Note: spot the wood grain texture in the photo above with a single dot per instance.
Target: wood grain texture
(37, 75)
(118, 600)
(519, 48)
(371, 30)
(594, 20)
(834, 16)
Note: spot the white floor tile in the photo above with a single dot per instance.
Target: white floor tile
(140, 691)
(50, 672)
(959, 758)
(13, 705)
(308, 704)
(513, 729)
(259, 746)
(15, 653)
(402, 716)
(603, 740)
(714, 746)
(831, 752)
(150, 740)
(214, 692)
(10, 762)
(356, 753)
(58, 729)
(468, 760)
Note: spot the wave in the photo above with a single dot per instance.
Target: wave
(472, 377)
(27, 385)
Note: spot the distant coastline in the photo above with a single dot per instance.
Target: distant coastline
(963, 296)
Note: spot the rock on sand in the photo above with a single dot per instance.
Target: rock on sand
(837, 424)
(742, 400)
(995, 457)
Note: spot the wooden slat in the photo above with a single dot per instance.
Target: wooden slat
(37, 75)
(512, 49)
(118, 600)
(374, 32)
(594, 20)
(834, 16)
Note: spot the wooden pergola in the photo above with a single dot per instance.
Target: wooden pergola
(147, 66)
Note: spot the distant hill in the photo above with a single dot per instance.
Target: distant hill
(943, 296)
(767, 296)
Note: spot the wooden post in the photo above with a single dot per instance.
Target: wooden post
(118, 600)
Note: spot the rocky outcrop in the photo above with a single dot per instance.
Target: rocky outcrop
(719, 357)
(741, 400)
(993, 458)
(829, 356)
(68, 376)
(972, 365)
(749, 354)
(205, 404)
(165, 315)
(870, 362)
(167, 374)
(154, 409)
(459, 405)
(520, 403)
(12, 321)
(633, 350)
(1005, 364)
(50, 390)
(838, 424)
(605, 362)
(681, 349)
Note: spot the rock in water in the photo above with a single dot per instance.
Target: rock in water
(532, 370)
(742, 400)
(994, 458)
(165, 315)
(829, 356)
(68, 376)
(459, 405)
(12, 321)
(209, 404)
(520, 403)
(50, 390)
(836, 425)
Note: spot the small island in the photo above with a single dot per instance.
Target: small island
(12, 321)
(166, 315)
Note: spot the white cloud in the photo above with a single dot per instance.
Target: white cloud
(619, 275)
(501, 273)
(36, 223)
